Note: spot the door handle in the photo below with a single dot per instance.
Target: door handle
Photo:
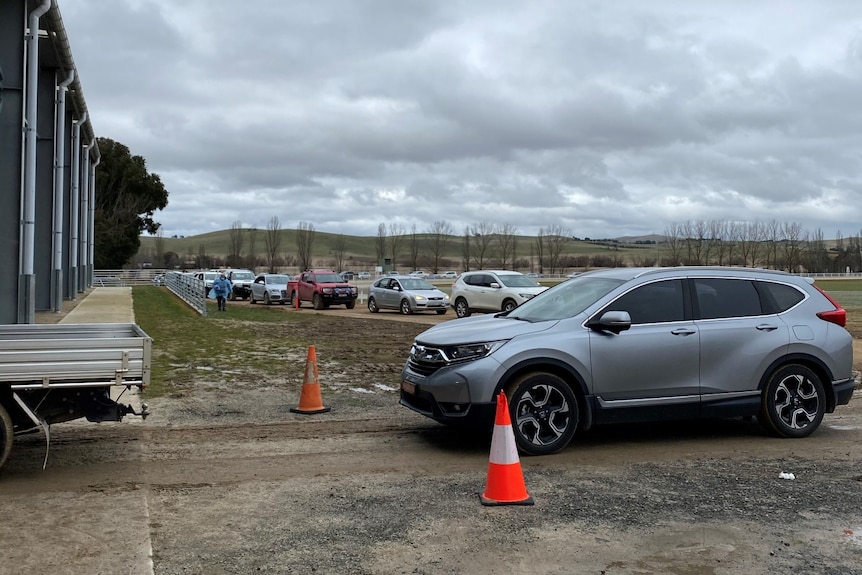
(767, 327)
(683, 331)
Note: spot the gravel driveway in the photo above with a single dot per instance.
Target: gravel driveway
(227, 480)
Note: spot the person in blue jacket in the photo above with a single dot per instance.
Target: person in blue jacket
(222, 288)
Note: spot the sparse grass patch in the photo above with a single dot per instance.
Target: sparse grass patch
(189, 347)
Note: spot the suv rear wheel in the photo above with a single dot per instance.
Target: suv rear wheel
(544, 412)
(793, 402)
(461, 308)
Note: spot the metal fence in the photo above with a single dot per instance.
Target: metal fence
(189, 289)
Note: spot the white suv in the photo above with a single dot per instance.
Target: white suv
(492, 291)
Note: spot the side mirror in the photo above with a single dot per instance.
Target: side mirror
(495, 285)
(612, 321)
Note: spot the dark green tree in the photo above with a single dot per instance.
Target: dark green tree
(127, 197)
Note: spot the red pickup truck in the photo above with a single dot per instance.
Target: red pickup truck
(322, 288)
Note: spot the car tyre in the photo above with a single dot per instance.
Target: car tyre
(372, 305)
(441, 311)
(6, 435)
(251, 299)
(266, 299)
(461, 308)
(405, 307)
(794, 402)
(351, 304)
(317, 302)
(544, 412)
(509, 305)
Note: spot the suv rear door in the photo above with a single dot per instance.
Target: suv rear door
(739, 335)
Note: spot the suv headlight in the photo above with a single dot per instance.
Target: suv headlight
(470, 351)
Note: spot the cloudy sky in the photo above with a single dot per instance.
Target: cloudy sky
(608, 118)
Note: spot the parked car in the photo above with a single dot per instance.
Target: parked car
(270, 288)
(535, 275)
(492, 291)
(406, 294)
(241, 281)
(449, 275)
(641, 344)
(208, 278)
(159, 280)
(418, 274)
(347, 276)
(364, 275)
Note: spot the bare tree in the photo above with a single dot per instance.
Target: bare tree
(539, 244)
(272, 242)
(793, 245)
(483, 234)
(339, 251)
(557, 237)
(440, 232)
(396, 242)
(160, 247)
(236, 240)
(380, 243)
(304, 243)
(675, 239)
(507, 241)
(772, 236)
(252, 248)
(466, 249)
(413, 248)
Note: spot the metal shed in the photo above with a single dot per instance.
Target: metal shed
(48, 156)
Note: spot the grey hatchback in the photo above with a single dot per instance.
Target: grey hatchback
(640, 344)
(407, 294)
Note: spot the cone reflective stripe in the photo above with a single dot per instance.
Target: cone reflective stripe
(310, 400)
(505, 483)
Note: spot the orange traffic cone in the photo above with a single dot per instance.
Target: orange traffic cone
(310, 400)
(505, 484)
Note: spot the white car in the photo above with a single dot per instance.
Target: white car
(449, 275)
(492, 291)
(364, 276)
(418, 274)
(270, 288)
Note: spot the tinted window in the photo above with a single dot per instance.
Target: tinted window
(653, 303)
(781, 297)
(719, 298)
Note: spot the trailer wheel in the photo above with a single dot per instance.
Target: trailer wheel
(5, 435)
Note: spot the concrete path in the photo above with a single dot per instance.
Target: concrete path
(104, 305)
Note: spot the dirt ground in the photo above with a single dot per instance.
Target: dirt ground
(224, 478)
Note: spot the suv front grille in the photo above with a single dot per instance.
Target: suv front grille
(426, 360)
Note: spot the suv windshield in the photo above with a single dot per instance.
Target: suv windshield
(277, 279)
(516, 280)
(567, 299)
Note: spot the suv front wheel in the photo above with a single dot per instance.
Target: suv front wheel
(544, 413)
(461, 308)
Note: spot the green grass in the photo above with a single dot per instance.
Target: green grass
(185, 344)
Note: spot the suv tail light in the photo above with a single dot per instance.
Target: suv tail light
(837, 315)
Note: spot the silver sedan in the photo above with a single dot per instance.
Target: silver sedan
(406, 294)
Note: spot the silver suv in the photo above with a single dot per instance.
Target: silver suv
(640, 345)
(492, 291)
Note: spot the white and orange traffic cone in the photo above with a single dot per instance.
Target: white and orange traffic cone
(505, 483)
(310, 400)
